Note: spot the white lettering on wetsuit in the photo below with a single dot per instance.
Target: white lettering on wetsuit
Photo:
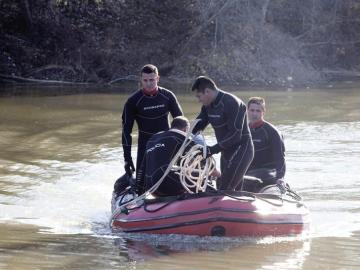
(155, 146)
(154, 107)
(214, 115)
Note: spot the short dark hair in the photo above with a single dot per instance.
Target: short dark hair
(258, 101)
(203, 82)
(149, 68)
(180, 122)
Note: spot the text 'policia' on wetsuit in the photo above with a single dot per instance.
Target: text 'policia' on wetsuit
(160, 150)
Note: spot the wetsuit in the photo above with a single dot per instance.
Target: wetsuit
(160, 150)
(269, 159)
(151, 115)
(227, 115)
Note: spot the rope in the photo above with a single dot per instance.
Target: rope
(194, 170)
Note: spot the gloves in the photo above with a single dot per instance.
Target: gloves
(129, 166)
(212, 150)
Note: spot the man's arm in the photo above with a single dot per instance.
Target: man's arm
(140, 177)
(175, 108)
(128, 117)
(204, 121)
(235, 113)
(278, 152)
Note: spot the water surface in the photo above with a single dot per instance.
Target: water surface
(61, 154)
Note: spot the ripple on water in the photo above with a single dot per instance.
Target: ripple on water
(335, 252)
(191, 252)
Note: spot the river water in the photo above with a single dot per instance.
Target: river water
(61, 154)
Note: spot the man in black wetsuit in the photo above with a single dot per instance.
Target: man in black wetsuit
(160, 150)
(149, 107)
(269, 159)
(227, 115)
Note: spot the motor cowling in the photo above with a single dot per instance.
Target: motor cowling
(122, 183)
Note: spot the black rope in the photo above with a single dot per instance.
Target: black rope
(135, 207)
(254, 196)
(123, 194)
(125, 209)
(263, 196)
(176, 198)
(280, 198)
(293, 194)
(236, 195)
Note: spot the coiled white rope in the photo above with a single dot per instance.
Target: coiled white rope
(194, 170)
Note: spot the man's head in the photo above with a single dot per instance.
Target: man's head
(256, 109)
(206, 90)
(180, 123)
(149, 77)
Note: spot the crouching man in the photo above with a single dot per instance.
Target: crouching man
(160, 150)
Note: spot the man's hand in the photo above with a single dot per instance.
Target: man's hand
(208, 152)
(129, 167)
(212, 150)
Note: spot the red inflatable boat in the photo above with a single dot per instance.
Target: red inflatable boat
(215, 214)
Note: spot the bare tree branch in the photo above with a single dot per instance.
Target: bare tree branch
(28, 12)
(8, 78)
(203, 25)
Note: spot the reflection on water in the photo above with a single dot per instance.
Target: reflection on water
(60, 156)
(211, 252)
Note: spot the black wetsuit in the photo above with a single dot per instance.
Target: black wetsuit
(160, 150)
(151, 115)
(269, 159)
(227, 115)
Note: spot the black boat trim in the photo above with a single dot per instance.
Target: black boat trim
(238, 195)
(198, 222)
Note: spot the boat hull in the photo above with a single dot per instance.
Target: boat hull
(216, 215)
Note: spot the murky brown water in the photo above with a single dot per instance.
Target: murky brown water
(61, 154)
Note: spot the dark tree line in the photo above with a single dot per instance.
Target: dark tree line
(279, 42)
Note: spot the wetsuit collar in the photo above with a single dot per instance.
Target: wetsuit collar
(152, 92)
(257, 124)
(217, 98)
(178, 131)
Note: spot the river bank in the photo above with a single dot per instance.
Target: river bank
(51, 88)
(256, 43)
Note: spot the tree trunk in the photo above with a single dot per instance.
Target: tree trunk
(27, 13)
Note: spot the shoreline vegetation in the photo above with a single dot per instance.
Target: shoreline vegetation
(255, 43)
(33, 87)
(330, 76)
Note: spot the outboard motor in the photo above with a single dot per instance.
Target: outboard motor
(123, 191)
(123, 183)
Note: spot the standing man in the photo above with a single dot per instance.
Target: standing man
(149, 107)
(269, 160)
(227, 115)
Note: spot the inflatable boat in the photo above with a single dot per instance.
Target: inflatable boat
(216, 213)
